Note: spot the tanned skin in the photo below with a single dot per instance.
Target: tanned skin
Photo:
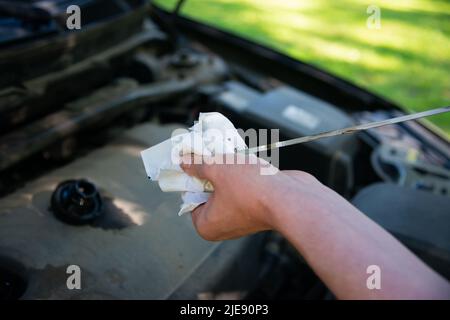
(336, 239)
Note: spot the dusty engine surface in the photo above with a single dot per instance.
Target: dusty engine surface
(138, 249)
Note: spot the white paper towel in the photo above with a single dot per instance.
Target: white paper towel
(212, 134)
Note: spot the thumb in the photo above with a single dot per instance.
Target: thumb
(197, 166)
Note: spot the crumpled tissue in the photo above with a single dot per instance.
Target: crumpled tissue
(212, 134)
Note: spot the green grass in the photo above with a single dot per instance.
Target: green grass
(406, 61)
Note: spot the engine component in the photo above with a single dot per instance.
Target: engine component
(403, 165)
(13, 283)
(185, 59)
(419, 219)
(404, 158)
(103, 105)
(427, 150)
(76, 202)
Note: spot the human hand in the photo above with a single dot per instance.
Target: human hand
(243, 199)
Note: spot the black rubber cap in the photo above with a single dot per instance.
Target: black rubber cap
(76, 202)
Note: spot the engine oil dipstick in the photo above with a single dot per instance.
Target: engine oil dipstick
(348, 130)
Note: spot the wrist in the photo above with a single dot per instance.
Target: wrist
(296, 202)
(279, 202)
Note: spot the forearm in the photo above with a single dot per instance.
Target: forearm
(337, 240)
(339, 243)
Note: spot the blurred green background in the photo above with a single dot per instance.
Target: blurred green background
(407, 60)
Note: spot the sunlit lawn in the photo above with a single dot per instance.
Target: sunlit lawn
(407, 60)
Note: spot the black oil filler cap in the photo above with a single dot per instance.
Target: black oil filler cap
(77, 202)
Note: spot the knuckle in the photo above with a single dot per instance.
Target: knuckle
(304, 176)
(307, 176)
(206, 234)
(204, 228)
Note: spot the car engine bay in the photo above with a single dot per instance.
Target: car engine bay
(80, 106)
